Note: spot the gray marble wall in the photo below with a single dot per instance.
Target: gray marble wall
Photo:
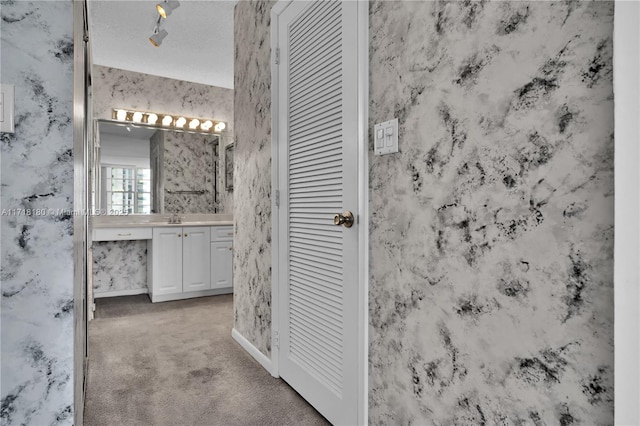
(37, 249)
(156, 158)
(116, 88)
(491, 293)
(252, 186)
(188, 165)
(119, 265)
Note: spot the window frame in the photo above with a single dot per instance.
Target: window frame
(107, 192)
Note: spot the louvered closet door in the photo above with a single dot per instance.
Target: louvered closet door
(318, 178)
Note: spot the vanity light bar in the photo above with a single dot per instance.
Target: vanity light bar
(168, 120)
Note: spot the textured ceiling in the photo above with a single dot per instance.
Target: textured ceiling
(199, 47)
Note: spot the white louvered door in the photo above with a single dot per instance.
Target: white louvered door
(318, 134)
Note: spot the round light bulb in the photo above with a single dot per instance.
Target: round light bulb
(152, 118)
(180, 122)
(193, 124)
(167, 120)
(161, 11)
(137, 117)
(206, 125)
(121, 115)
(220, 127)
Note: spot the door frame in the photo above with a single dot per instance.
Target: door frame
(81, 135)
(363, 202)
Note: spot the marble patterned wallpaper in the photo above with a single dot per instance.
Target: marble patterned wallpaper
(119, 265)
(252, 185)
(156, 157)
(189, 166)
(491, 286)
(116, 88)
(37, 250)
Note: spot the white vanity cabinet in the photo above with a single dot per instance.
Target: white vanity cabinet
(189, 261)
(221, 257)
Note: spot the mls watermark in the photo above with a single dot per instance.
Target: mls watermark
(61, 212)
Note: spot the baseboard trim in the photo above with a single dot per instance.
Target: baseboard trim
(253, 351)
(116, 293)
(190, 294)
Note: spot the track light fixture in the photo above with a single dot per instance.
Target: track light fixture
(167, 7)
(164, 9)
(158, 34)
(144, 118)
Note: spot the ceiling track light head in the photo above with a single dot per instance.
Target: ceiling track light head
(157, 36)
(167, 7)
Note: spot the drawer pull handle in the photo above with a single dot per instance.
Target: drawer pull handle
(230, 234)
(186, 235)
(124, 235)
(231, 248)
(179, 235)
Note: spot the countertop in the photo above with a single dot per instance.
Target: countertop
(159, 221)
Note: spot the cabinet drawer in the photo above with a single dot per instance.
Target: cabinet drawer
(222, 233)
(115, 234)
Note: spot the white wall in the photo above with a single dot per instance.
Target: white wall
(627, 216)
(115, 149)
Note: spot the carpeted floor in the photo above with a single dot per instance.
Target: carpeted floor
(175, 363)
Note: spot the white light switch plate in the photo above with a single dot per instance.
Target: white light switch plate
(7, 97)
(385, 137)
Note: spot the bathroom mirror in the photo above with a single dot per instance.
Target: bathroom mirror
(147, 169)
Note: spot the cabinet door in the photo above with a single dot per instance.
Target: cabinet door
(196, 272)
(221, 264)
(167, 260)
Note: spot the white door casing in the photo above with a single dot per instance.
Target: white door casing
(319, 138)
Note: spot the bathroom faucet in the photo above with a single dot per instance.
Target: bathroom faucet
(175, 219)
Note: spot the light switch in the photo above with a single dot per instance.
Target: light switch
(389, 137)
(6, 108)
(379, 138)
(386, 137)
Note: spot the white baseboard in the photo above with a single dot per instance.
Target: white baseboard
(253, 351)
(116, 293)
(190, 294)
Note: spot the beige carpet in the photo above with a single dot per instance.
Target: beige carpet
(175, 363)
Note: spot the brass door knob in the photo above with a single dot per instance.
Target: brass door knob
(345, 219)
